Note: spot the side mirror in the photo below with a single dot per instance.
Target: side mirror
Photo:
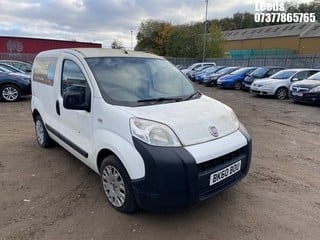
(294, 79)
(76, 100)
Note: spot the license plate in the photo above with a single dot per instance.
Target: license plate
(224, 173)
(299, 94)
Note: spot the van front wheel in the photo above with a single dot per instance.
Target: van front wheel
(117, 185)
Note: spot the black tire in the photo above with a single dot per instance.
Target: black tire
(117, 185)
(281, 93)
(208, 84)
(237, 85)
(42, 135)
(10, 93)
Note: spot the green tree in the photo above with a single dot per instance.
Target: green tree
(215, 43)
(185, 41)
(153, 36)
(116, 44)
(312, 7)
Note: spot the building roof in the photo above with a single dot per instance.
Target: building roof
(283, 30)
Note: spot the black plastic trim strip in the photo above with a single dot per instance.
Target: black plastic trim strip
(67, 141)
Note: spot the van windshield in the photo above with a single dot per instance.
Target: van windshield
(133, 81)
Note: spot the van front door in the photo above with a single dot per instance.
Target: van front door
(75, 128)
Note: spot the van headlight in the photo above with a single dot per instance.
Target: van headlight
(315, 90)
(153, 133)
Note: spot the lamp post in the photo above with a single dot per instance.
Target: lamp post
(205, 33)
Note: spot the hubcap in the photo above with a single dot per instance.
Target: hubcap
(237, 85)
(39, 132)
(113, 185)
(10, 93)
(282, 94)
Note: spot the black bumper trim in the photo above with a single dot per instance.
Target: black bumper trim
(173, 179)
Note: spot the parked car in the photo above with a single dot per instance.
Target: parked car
(10, 68)
(13, 86)
(211, 79)
(278, 85)
(199, 76)
(137, 121)
(191, 74)
(234, 80)
(23, 66)
(196, 66)
(259, 73)
(306, 91)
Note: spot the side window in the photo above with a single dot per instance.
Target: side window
(73, 78)
(74, 82)
(273, 71)
(302, 75)
(312, 72)
(44, 70)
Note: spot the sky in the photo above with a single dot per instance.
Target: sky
(104, 21)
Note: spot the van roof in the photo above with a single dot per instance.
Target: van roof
(101, 52)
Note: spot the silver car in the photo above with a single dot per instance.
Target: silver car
(278, 84)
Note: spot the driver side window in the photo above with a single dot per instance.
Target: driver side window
(73, 80)
(72, 77)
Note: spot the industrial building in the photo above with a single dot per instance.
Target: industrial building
(285, 39)
(22, 48)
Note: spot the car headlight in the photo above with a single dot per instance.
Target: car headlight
(315, 89)
(153, 133)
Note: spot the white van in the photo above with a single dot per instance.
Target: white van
(136, 120)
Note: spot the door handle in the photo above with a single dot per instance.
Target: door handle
(58, 107)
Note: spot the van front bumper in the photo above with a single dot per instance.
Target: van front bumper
(174, 180)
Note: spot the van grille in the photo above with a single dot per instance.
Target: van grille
(207, 168)
(211, 164)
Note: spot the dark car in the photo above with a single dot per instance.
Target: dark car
(9, 68)
(23, 66)
(211, 79)
(261, 72)
(13, 86)
(234, 80)
(306, 91)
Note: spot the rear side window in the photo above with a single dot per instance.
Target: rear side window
(304, 74)
(44, 70)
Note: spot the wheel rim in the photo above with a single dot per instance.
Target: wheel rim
(237, 85)
(10, 93)
(39, 132)
(113, 185)
(282, 93)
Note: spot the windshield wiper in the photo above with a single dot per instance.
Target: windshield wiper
(160, 99)
(193, 95)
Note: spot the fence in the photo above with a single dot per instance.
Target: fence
(295, 61)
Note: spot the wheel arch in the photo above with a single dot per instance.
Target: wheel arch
(103, 153)
(35, 113)
(280, 88)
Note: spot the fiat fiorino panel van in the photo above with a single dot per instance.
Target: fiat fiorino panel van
(156, 142)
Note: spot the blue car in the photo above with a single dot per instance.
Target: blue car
(234, 80)
(200, 76)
